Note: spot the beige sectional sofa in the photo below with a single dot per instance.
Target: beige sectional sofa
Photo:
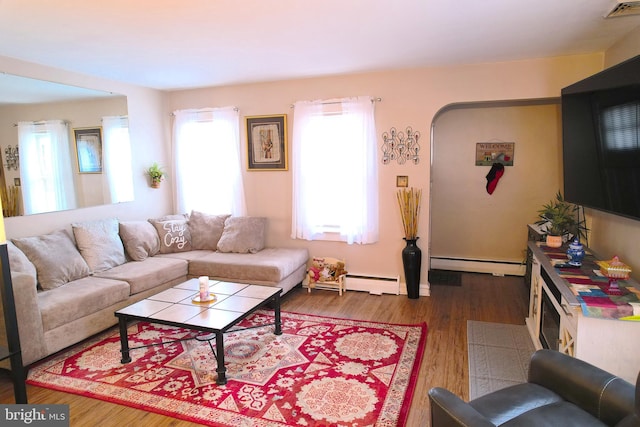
(67, 284)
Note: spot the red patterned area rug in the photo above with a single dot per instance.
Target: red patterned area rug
(320, 371)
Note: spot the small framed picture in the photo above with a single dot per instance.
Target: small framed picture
(267, 142)
(89, 149)
(402, 181)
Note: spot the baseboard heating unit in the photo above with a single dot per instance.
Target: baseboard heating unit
(376, 285)
(496, 267)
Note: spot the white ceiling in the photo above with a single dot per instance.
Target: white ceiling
(174, 44)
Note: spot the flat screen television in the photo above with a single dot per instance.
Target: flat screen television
(601, 140)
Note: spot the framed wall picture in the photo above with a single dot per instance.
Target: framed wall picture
(488, 153)
(267, 142)
(89, 149)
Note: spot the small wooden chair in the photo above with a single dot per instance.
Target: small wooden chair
(327, 273)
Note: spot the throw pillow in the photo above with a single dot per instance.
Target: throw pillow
(56, 258)
(174, 235)
(206, 230)
(170, 217)
(99, 243)
(140, 239)
(243, 235)
(18, 261)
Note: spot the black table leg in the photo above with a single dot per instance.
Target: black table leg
(221, 370)
(124, 340)
(19, 374)
(276, 309)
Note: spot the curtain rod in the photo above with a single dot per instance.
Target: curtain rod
(236, 109)
(42, 122)
(123, 117)
(340, 102)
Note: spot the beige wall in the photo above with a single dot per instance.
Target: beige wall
(468, 223)
(149, 139)
(409, 98)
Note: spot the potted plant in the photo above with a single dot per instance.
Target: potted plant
(156, 173)
(560, 219)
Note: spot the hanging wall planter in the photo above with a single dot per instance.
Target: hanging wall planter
(155, 182)
(156, 174)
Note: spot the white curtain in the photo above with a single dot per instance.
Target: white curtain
(335, 172)
(46, 174)
(116, 148)
(207, 170)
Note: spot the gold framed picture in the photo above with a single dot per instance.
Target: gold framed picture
(267, 142)
(402, 181)
(89, 149)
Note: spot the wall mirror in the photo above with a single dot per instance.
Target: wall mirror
(93, 123)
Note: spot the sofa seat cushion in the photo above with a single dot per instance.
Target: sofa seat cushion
(147, 274)
(189, 255)
(79, 298)
(268, 266)
(549, 415)
(510, 402)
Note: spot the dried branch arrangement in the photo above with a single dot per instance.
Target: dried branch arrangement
(10, 201)
(409, 202)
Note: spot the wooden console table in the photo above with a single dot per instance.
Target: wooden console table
(609, 343)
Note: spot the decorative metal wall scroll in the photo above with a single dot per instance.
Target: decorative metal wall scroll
(12, 157)
(401, 146)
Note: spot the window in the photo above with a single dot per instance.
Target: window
(117, 159)
(335, 175)
(208, 173)
(45, 167)
(620, 124)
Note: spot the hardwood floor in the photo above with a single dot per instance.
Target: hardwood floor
(481, 297)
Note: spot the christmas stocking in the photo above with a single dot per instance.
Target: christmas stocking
(494, 175)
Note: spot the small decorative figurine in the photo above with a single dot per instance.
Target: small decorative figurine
(575, 253)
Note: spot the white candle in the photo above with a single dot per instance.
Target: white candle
(204, 287)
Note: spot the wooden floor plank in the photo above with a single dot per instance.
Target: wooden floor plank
(445, 362)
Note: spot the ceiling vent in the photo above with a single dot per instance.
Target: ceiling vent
(624, 8)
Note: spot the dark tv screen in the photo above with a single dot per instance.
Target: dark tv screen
(601, 140)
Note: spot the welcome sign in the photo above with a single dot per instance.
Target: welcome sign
(488, 153)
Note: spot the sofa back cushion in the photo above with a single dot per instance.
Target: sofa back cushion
(140, 239)
(18, 261)
(174, 235)
(99, 243)
(243, 234)
(55, 257)
(205, 230)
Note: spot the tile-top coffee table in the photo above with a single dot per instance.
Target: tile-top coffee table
(175, 307)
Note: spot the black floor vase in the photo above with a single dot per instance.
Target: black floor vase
(412, 261)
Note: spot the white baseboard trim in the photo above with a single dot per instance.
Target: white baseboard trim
(379, 285)
(497, 268)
